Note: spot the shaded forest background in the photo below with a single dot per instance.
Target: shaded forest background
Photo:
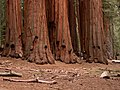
(111, 18)
(111, 9)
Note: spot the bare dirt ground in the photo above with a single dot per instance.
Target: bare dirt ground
(83, 76)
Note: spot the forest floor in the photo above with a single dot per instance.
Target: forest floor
(83, 76)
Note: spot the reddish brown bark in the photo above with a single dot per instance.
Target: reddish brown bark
(64, 50)
(13, 45)
(47, 26)
(50, 11)
(59, 32)
(72, 24)
(93, 37)
(37, 47)
(85, 27)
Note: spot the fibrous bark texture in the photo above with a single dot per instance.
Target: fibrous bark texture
(93, 36)
(64, 49)
(13, 44)
(37, 47)
(56, 30)
(59, 31)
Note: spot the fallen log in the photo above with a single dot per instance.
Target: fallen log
(30, 81)
(11, 73)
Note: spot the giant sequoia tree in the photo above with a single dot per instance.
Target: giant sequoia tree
(93, 36)
(55, 30)
(13, 44)
(36, 40)
(58, 22)
(64, 44)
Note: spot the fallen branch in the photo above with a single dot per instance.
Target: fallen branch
(30, 80)
(10, 73)
(115, 75)
(116, 61)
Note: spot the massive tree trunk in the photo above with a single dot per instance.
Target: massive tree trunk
(92, 30)
(64, 50)
(47, 26)
(59, 32)
(13, 44)
(37, 47)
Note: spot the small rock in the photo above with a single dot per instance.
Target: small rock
(84, 68)
(72, 74)
(105, 75)
(118, 75)
(86, 73)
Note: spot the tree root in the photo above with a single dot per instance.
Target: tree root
(68, 58)
(41, 58)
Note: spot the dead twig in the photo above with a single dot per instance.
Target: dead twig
(30, 80)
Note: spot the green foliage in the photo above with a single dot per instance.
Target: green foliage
(111, 9)
(2, 20)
